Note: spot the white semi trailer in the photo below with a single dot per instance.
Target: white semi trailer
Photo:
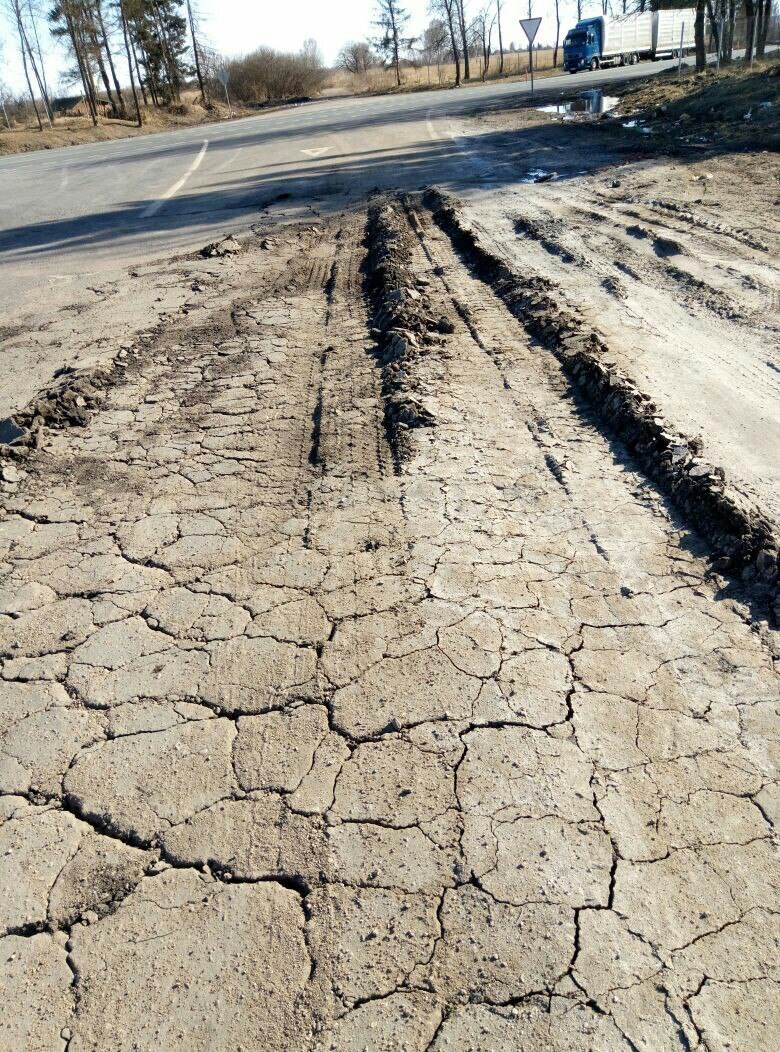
(602, 41)
(668, 27)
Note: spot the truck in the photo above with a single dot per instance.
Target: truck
(602, 41)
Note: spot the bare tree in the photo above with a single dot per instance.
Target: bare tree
(392, 21)
(499, 6)
(17, 17)
(356, 57)
(448, 11)
(36, 12)
(484, 24)
(460, 6)
(4, 94)
(557, 31)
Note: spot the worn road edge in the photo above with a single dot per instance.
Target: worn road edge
(743, 539)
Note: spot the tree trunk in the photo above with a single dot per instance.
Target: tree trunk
(123, 19)
(701, 51)
(196, 53)
(728, 33)
(42, 78)
(135, 60)
(758, 25)
(26, 71)
(500, 42)
(110, 60)
(102, 71)
(557, 32)
(463, 39)
(83, 65)
(170, 63)
(714, 26)
(750, 16)
(761, 41)
(454, 41)
(36, 74)
(90, 80)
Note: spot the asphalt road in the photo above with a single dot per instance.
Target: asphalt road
(79, 211)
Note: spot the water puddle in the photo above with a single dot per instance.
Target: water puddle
(593, 101)
(538, 175)
(639, 127)
(10, 431)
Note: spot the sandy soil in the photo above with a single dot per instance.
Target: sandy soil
(672, 251)
(358, 692)
(358, 687)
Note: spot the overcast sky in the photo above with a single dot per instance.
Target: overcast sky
(237, 26)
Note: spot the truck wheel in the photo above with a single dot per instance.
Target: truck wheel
(634, 59)
(593, 65)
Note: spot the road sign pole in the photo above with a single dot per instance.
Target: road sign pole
(223, 77)
(531, 28)
(679, 55)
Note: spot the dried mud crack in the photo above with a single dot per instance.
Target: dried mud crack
(358, 692)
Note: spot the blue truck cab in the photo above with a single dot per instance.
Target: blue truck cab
(582, 45)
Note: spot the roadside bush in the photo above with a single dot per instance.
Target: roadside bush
(266, 75)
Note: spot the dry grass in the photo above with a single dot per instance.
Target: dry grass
(71, 131)
(420, 78)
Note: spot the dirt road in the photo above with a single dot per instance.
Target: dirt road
(672, 256)
(360, 692)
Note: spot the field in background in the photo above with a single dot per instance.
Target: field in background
(70, 131)
(419, 78)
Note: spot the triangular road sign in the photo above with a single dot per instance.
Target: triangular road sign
(530, 27)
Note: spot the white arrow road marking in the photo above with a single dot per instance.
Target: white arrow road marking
(316, 153)
(153, 209)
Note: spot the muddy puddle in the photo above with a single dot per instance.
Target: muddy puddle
(592, 101)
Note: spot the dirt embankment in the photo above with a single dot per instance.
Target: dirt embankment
(739, 107)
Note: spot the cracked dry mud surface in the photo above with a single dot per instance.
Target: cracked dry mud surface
(324, 730)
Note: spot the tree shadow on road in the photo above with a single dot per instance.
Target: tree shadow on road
(491, 160)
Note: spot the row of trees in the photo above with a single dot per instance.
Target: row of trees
(151, 44)
(460, 31)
